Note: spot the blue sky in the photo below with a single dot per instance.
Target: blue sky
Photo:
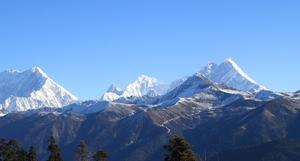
(87, 45)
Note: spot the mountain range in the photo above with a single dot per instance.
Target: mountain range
(227, 73)
(216, 109)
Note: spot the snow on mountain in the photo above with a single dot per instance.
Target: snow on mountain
(200, 88)
(209, 68)
(91, 106)
(227, 73)
(31, 89)
(115, 89)
(109, 96)
(267, 95)
(113, 93)
(191, 86)
(176, 83)
(230, 74)
(143, 86)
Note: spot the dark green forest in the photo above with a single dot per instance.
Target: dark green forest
(176, 150)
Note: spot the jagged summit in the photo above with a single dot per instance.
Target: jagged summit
(143, 86)
(113, 93)
(191, 86)
(227, 73)
(209, 67)
(115, 89)
(31, 89)
(238, 69)
(230, 74)
(38, 70)
(144, 77)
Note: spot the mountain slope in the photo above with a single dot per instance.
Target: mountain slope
(199, 86)
(227, 73)
(213, 119)
(194, 84)
(231, 111)
(143, 86)
(281, 150)
(31, 89)
(127, 131)
(112, 93)
(230, 74)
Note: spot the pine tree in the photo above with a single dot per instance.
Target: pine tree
(54, 151)
(22, 155)
(179, 150)
(100, 156)
(11, 151)
(82, 153)
(32, 156)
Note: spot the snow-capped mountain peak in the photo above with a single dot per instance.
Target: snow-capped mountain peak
(193, 85)
(147, 79)
(227, 73)
(143, 85)
(209, 68)
(115, 89)
(230, 74)
(239, 70)
(39, 71)
(31, 89)
(113, 93)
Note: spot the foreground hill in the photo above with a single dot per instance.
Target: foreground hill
(281, 150)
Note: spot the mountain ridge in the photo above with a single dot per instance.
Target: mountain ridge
(227, 73)
(213, 116)
(230, 74)
(31, 89)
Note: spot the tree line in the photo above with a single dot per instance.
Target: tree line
(176, 150)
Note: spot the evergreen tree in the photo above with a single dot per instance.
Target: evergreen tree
(22, 155)
(54, 151)
(32, 156)
(100, 156)
(11, 151)
(82, 153)
(179, 150)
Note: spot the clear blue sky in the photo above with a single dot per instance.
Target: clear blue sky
(87, 45)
